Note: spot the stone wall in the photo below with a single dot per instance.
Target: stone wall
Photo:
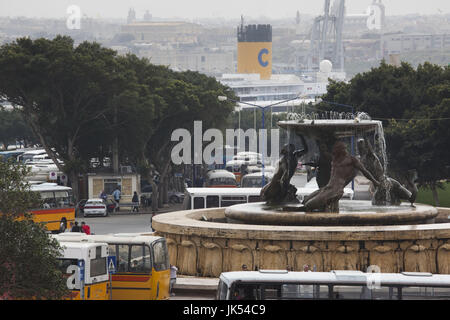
(205, 248)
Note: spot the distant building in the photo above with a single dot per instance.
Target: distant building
(164, 32)
(147, 16)
(399, 43)
(196, 59)
(131, 16)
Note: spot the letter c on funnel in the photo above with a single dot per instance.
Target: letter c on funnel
(260, 60)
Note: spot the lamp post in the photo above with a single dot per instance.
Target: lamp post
(263, 109)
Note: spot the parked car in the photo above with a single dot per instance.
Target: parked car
(175, 196)
(95, 206)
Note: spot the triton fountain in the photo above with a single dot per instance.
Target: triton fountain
(323, 231)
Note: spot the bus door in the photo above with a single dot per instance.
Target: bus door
(133, 277)
(161, 270)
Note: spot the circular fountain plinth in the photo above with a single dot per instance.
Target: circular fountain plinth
(352, 213)
(201, 243)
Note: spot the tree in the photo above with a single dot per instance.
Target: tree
(62, 91)
(28, 256)
(163, 101)
(413, 105)
(14, 129)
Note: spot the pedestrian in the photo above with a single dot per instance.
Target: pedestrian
(173, 278)
(103, 195)
(244, 267)
(85, 228)
(69, 229)
(135, 201)
(76, 227)
(116, 194)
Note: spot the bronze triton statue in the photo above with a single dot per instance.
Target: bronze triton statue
(279, 189)
(344, 168)
(390, 191)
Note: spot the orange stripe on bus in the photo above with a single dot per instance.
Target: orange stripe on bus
(130, 278)
(52, 211)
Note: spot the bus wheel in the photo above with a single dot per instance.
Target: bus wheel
(63, 225)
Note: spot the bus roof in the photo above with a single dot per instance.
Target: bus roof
(35, 151)
(223, 191)
(77, 250)
(49, 186)
(214, 174)
(258, 174)
(136, 238)
(250, 191)
(337, 277)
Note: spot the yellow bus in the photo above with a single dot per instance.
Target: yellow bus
(57, 210)
(142, 269)
(85, 266)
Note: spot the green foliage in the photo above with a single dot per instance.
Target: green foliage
(425, 195)
(63, 90)
(414, 105)
(15, 196)
(13, 128)
(28, 264)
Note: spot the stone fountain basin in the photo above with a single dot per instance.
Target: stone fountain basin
(352, 213)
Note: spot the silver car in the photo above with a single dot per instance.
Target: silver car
(95, 206)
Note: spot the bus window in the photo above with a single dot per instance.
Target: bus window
(229, 201)
(245, 291)
(98, 266)
(222, 182)
(62, 199)
(271, 292)
(222, 291)
(254, 199)
(212, 201)
(161, 256)
(348, 292)
(122, 257)
(420, 293)
(140, 259)
(48, 199)
(199, 202)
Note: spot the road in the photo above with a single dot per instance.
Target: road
(118, 223)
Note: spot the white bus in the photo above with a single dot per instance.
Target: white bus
(200, 198)
(85, 266)
(334, 285)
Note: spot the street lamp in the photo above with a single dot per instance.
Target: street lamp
(263, 109)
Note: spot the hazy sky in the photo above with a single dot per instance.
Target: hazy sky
(207, 8)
